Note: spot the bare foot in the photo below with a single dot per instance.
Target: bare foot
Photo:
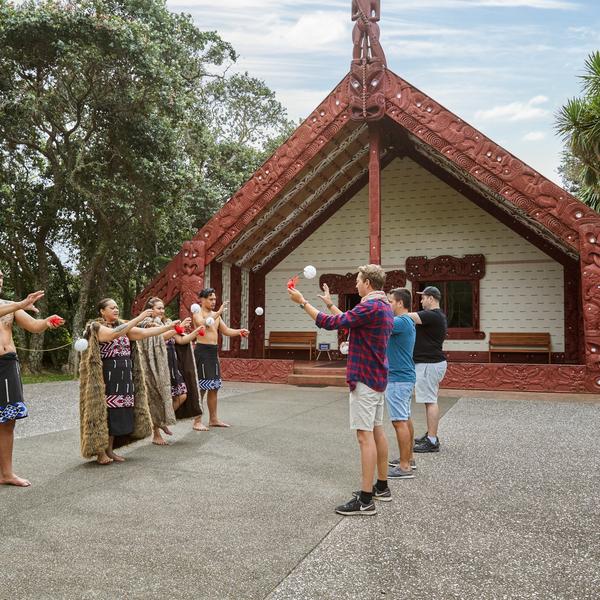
(115, 457)
(103, 459)
(167, 430)
(16, 481)
(199, 426)
(158, 440)
(219, 424)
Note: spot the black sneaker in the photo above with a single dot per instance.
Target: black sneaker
(422, 438)
(385, 496)
(396, 463)
(427, 446)
(356, 507)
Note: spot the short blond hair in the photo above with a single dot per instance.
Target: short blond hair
(375, 274)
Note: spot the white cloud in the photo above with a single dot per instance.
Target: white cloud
(534, 136)
(515, 111)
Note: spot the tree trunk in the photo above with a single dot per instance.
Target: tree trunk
(88, 277)
(42, 280)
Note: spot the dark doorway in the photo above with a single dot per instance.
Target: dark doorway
(350, 301)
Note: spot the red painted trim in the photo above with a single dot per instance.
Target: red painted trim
(256, 370)
(374, 194)
(256, 325)
(235, 308)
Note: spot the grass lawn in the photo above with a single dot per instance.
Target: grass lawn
(46, 377)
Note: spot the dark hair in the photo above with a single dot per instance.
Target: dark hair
(104, 303)
(402, 295)
(152, 301)
(206, 292)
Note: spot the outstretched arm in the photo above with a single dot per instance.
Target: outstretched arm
(137, 333)
(108, 334)
(231, 332)
(26, 304)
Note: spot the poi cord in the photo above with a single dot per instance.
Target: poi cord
(45, 349)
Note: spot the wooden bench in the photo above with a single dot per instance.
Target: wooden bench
(523, 343)
(291, 340)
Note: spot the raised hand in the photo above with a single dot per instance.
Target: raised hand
(222, 308)
(326, 296)
(28, 303)
(186, 322)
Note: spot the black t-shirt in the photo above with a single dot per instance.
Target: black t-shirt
(430, 336)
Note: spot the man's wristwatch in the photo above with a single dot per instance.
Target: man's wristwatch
(329, 305)
(302, 305)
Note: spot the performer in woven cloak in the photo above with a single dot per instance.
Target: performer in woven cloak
(12, 405)
(168, 378)
(206, 354)
(113, 401)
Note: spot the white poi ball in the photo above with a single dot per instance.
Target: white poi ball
(259, 311)
(81, 345)
(344, 347)
(209, 321)
(310, 272)
(195, 308)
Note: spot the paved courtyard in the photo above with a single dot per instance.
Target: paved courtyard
(508, 509)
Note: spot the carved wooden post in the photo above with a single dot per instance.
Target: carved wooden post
(235, 308)
(257, 298)
(374, 194)
(589, 257)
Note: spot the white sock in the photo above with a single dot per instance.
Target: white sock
(432, 438)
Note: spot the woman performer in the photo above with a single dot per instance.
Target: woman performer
(166, 393)
(113, 397)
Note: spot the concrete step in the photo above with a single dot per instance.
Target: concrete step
(307, 370)
(317, 380)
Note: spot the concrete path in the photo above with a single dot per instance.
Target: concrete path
(248, 512)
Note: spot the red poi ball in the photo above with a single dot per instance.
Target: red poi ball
(56, 321)
(180, 329)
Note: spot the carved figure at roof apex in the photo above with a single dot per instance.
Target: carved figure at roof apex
(365, 34)
(370, 8)
(367, 71)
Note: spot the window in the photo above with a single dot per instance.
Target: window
(458, 281)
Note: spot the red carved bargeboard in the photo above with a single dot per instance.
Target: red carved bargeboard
(487, 162)
(346, 284)
(256, 370)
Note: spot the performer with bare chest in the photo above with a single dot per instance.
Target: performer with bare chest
(206, 353)
(12, 406)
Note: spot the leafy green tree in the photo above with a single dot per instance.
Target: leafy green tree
(579, 123)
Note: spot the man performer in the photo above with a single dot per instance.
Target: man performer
(12, 406)
(401, 382)
(206, 354)
(430, 363)
(370, 323)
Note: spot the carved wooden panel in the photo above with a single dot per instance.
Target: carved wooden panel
(346, 284)
(183, 276)
(257, 323)
(590, 295)
(515, 377)
(256, 370)
(470, 267)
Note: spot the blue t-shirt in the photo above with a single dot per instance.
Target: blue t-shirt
(400, 351)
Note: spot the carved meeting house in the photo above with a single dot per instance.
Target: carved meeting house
(380, 172)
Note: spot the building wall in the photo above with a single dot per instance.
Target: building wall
(422, 216)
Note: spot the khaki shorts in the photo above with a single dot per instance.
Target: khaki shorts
(366, 407)
(429, 377)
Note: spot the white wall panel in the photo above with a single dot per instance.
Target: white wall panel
(422, 216)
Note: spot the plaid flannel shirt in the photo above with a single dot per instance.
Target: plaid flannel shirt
(370, 324)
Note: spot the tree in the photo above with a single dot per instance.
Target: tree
(120, 134)
(578, 122)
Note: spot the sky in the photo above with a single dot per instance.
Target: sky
(504, 66)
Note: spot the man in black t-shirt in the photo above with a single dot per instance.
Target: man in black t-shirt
(430, 363)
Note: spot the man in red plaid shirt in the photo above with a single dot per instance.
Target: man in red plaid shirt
(370, 323)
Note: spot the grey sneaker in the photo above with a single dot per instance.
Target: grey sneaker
(396, 463)
(398, 473)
